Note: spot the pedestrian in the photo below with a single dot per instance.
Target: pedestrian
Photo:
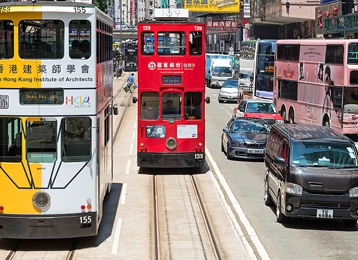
(120, 69)
(131, 82)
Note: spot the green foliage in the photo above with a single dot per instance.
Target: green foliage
(101, 4)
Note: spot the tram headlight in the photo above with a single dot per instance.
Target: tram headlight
(171, 143)
(41, 200)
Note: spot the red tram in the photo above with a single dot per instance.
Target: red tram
(171, 89)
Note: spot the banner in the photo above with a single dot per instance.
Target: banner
(228, 25)
(223, 6)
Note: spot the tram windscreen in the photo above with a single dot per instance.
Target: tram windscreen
(171, 106)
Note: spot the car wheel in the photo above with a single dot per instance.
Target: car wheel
(279, 215)
(291, 117)
(220, 101)
(283, 114)
(228, 156)
(267, 196)
(349, 222)
(326, 121)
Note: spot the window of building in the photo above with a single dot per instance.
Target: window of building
(41, 39)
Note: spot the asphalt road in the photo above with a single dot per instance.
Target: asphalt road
(299, 238)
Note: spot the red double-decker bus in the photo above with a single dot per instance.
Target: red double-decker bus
(171, 88)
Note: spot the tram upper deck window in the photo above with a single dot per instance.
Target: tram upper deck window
(41, 39)
(149, 107)
(76, 139)
(171, 106)
(195, 43)
(171, 43)
(6, 39)
(147, 43)
(192, 105)
(80, 39)
(41, 145)
(10, 139)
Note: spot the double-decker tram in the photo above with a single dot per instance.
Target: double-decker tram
(56, 106)
(131, 56)
(171, 89)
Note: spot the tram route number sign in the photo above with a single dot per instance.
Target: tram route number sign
(4, 102)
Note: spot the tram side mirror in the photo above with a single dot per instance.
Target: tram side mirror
(115, 109)
(87, 137)
(135, 100)
(207, 100)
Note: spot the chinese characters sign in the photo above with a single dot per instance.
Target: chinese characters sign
(225, 6)
(221, 25)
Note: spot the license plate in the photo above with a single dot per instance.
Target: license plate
(324, 213)
(255, 151)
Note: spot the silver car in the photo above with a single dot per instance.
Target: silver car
(229, 91)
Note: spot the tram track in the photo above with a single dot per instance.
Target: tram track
(13, 251)
(194, 208)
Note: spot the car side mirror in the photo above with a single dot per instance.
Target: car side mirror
(115, 109)
(207, 100)
(225, 130)
(279, 161)
(135, 100)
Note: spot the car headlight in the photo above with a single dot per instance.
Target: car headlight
(279, 121)
(294, 189)
(353, 193)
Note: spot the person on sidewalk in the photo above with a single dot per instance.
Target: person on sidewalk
(131, 82)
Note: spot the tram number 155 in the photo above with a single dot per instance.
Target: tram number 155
(85, 219)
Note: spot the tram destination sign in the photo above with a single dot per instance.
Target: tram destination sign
(41, 96)
(171, 79)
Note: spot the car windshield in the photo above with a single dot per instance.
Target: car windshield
(222, 71)
(257, 107)
(230, 84)
(251, 127)
(323, 154)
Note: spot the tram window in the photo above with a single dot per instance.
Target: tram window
(193, 105)
(41, 145)
(334, 54)
(76, 139)
(147, 43)
(41, 39)
(195, 43)
(80, 39)
(171, 106)
(149, 106)
(10, 139)
(171, 43)
(6, 39)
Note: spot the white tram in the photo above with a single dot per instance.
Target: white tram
(56, 110)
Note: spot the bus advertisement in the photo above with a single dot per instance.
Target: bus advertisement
(316, 83)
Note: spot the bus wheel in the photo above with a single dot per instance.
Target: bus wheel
(326, 121)
(283, 114)
(291, 117)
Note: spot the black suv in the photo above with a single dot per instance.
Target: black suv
(311, 172)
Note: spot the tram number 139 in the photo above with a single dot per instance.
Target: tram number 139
(199, 156)
(85, 219)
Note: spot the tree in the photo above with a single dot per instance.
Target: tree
(101, 4)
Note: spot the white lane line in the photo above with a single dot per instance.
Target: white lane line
(133, 135)
(135, 124)
(128, 166)
(223, 108)
(131, 149)
(116, 237)
(249, 229)
(123, 194)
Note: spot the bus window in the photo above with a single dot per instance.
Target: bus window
(288, 52)
(41, 39)
(195, 43)
(10, 139)
(41, 140)
(171, 104)
(6, 39)
(80, 39)
(192, 105)
(334, 54)
(171, 43)
(147, 43)
(76, 139)
(353, 53)
(149, 106)
(287, 89)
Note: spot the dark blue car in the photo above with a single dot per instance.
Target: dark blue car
(245, 138)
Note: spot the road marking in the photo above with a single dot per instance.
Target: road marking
(123, 194)
(249, 229)
(131, 149)
(223, 108)
(116, 237)
(135, 124)
(133, 135)
(128, 166)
